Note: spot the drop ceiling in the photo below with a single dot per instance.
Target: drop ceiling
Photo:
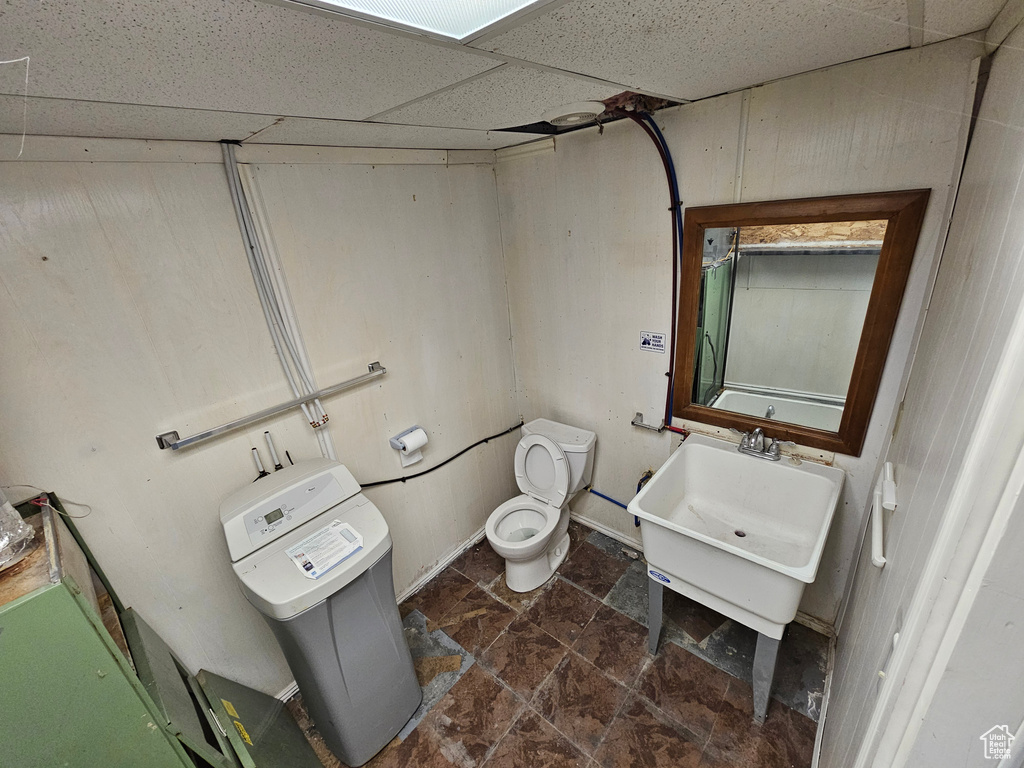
(271, 72)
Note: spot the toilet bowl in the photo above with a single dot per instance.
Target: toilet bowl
(530, 531)
(532, 537)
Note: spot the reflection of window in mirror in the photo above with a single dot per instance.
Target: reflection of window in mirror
(781, 312)
(786, 312)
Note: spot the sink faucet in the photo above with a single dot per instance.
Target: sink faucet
(753, 444)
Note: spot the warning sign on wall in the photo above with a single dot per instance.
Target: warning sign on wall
(652, 342)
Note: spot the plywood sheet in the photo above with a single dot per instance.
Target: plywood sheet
(827, 234)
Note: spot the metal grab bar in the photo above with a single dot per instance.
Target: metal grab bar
(172, 441)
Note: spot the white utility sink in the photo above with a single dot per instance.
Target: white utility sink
(737, 533)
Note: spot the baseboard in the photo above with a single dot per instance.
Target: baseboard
(443, 563)
(829, 670)
(813, 622)
(611, 533)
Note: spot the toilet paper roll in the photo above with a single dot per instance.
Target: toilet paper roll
(413, 441)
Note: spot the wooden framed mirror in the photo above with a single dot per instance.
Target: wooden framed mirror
(786, 312)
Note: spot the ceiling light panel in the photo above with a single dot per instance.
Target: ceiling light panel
(451, 19)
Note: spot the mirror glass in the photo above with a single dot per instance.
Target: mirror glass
(786, 311)
(781, 311)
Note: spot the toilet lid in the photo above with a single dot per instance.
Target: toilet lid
(542, 470)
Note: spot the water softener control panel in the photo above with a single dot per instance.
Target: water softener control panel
(274, 505)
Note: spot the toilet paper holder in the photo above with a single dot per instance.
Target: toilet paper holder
(396, 441)
(409, 454)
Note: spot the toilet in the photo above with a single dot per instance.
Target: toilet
(553, 462)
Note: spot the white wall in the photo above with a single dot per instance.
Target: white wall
(128, 309)
(587, 246)
(796, 321)
(980, 686)
(402, 263)
(978, 293)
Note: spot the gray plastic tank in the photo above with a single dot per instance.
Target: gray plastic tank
(353, 666)
(313, 556)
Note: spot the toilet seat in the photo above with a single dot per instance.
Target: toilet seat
(542, 470)
(527, 547)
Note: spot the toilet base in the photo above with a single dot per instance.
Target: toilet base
(527, 575)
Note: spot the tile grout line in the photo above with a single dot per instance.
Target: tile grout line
(629, 692)
(676, 721)
(522, 609)
(530, 706)
(702, 645)
(714, 722)
(527, 704)
(572, 649)
(555, 728)
(477, 659)
(511, 723)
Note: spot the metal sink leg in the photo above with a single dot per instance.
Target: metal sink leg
(765, 656)
(655, 594)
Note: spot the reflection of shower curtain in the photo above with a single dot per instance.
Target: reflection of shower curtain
(712, 331)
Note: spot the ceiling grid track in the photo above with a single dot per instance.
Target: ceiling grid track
(186, 72)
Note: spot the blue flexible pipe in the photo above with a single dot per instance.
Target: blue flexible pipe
(677, 208)
(608, 498)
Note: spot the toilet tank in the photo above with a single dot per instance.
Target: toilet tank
(577, 445)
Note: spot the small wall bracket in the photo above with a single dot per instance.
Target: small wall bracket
(638, 421)
(167, 439)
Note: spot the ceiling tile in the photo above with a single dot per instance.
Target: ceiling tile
(238, 56)
(699, 48)
(503, 98)
(339, 133)
(65, 117)
(952, 18)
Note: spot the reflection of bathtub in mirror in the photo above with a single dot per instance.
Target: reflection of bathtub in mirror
(815, 412)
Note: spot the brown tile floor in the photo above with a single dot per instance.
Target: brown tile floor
(563, 678)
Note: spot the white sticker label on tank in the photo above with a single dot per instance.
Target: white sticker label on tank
(652, 342)
(318, 553)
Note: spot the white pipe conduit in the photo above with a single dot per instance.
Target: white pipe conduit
(276, 304)
(884, 499)
(275, 275)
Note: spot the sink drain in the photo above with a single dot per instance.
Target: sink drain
(741, 534)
